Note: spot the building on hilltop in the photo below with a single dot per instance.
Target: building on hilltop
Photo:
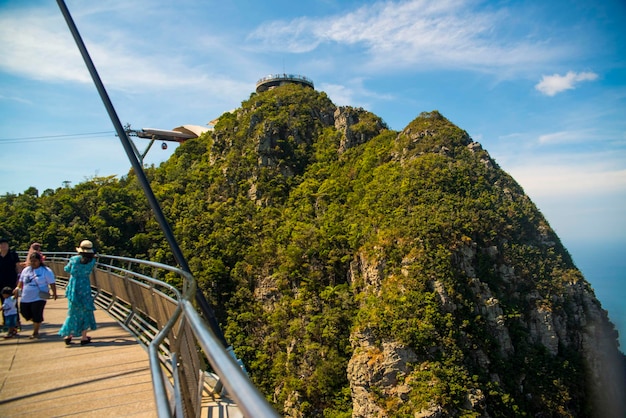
(275, 80)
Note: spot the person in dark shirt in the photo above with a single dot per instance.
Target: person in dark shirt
(9, 267)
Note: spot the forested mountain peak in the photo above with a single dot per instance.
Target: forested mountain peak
(360, 271)
(277, 134)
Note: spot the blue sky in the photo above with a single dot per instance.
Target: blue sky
(540, 84)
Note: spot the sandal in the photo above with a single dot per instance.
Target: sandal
(68, 340)
(34, 336)
(85, 342)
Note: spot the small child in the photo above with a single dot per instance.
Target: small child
(9, 307)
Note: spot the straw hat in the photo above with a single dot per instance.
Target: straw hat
(86, 246)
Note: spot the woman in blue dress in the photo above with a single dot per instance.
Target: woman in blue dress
(80, 305)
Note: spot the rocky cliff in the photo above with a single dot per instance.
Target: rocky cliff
(382, 273)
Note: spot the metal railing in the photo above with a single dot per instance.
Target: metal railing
(178, 340)
(297, 78)
(294, 77)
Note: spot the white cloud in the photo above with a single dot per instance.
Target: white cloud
(36, 44)
(340, 95)
(572, 163)
(32, 45)
(354, 93)
(563, 137)
(580, 200)
(556, 179)
(416, 34)
(14, 99)
(554, 84)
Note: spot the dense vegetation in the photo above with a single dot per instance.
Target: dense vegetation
(304, 243)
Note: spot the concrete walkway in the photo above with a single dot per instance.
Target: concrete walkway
(46, 378)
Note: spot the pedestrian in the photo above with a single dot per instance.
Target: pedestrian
(35, 247)
(9, 309)
(35, 283)
(9, 266)
(80, 304)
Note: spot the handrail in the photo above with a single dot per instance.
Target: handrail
(293, 77)
(123, 284)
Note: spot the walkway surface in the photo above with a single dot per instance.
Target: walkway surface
(46, 378)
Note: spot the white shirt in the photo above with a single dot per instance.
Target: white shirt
(35, 280)
(9, 306)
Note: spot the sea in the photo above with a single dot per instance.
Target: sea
(604, 266)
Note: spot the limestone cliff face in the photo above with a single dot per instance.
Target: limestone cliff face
(357, 126)
(379, 369)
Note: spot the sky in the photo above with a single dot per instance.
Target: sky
(541, 85)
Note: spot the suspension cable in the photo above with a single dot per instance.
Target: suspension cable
(206, 309)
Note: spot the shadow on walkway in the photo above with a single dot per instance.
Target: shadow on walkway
(45, 377)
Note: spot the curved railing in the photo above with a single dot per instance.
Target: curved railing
(296, 78)
(178, 340)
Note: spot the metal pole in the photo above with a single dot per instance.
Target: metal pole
(146, 150)
(141, 175)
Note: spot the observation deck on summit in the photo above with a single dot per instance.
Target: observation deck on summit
(275, 80)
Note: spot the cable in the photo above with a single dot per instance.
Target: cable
(51, 137)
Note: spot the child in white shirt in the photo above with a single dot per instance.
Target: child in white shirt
(9, 308)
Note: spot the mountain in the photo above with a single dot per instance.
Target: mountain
(360, 271)
(391, 273)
